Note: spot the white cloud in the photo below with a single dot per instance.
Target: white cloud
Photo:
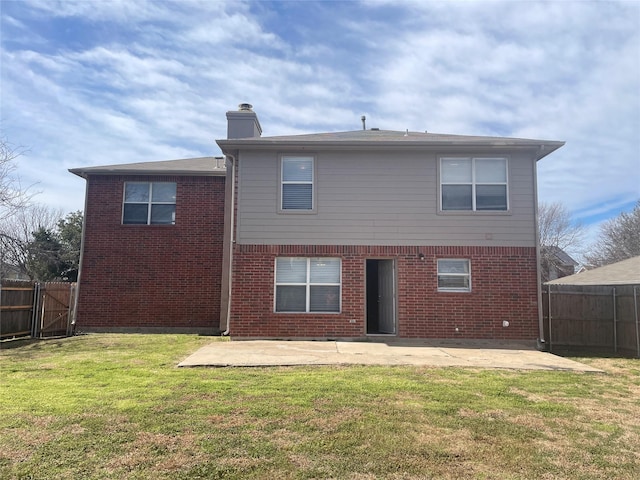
(541, 70)
(140, 80)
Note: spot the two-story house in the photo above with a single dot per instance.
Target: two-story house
(332, 235)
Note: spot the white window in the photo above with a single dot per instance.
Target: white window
(297, 179)
(474, 184)
(454, 275)
(149, 203)
(307, 284)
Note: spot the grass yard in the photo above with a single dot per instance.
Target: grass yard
(116, 406)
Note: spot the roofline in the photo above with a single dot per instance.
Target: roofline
(610, 283)
(153, 168)
(85, 172)
(542, 147)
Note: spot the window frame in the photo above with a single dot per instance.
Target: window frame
(307, 284)
(474, 184)
(149, 203)
(282, 182)
(454, 274)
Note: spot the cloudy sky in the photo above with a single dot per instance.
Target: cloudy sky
(99, 82)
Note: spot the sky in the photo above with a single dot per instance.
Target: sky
(101, 82)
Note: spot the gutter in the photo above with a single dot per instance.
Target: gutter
(232, 239)
(542, 147)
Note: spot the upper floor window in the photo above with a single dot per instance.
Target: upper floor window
(307, 285)
(149, 203)
(297, 183)
(474, 184)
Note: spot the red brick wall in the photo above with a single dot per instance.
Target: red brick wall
(504, 287)
(152, 276)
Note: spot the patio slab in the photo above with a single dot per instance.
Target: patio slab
(260, 353)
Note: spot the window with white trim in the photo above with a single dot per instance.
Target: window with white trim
(149, 203)
(454, 275)
(307, 285)
(296, 183)
(475, 184)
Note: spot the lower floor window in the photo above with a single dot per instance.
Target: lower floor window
(454, 275)
(307, 284)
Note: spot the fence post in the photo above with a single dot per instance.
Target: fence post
(615, 322)
(635, 308)
(71, 309)
(549, 312)
(35, 310)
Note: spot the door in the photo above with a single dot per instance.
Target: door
(381, 297)
(386, 297)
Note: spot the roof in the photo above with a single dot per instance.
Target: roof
(626, 272)
(202, 166)
(389, 138)
(561, 256)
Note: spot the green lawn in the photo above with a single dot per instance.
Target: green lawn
(116, 406)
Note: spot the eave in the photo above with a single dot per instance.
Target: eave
(201, 166)
(411, 141)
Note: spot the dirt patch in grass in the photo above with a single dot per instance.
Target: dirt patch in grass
(18, 443)
(160, 453)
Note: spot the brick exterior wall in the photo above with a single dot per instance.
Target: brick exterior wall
(147, 277)
(504, 287)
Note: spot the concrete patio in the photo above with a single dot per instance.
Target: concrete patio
(260, 353)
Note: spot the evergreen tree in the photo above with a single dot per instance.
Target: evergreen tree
(44, 261)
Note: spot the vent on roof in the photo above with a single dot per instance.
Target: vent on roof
(220, 163)
(245, 107)
(376, 129)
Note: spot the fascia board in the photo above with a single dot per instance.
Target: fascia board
(85, 172)
(543, 148)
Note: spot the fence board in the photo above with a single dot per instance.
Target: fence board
(39, 310)
(591, 317)
(56, 308)
(16, 308)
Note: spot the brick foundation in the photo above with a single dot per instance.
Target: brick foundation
(504, 288)
(152, 276)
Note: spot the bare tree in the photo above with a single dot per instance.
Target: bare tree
(16, 233)
(13, 196)
(31, 218)
(618, 240)
(558, 235)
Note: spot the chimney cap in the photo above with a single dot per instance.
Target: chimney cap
(245, 107)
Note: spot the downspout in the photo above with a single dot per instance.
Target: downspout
(541, 343)
(81, 260)
(232, 239)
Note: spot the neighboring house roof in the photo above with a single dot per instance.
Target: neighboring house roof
(389, 138)
(626, 272)
(560, 255)
(187, 166)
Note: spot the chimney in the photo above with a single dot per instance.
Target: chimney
(243, 123)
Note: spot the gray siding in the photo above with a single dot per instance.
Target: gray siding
(378, 199)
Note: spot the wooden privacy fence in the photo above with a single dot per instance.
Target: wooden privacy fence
(37, 310)
(599, 318)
